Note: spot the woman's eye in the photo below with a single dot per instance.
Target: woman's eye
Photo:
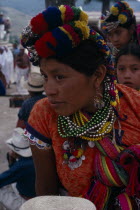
(59, 77)
(120, 69)
(135, 69)
(118, 32)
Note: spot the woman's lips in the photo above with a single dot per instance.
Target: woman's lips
(55, 104)
(117, 46)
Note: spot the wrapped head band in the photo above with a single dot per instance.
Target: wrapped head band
(120, 14)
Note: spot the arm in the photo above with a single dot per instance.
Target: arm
(46, 175)
(20, 123)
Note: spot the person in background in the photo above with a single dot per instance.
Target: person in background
(9, 65)
(1, 18)
(2, 64)
(7, 24)
(2, 88)
(2, 83)
(128, 66)
(15, 49)
(22, 67)
(85, 134)
(17, 184)
(35, 89)
(120, 27)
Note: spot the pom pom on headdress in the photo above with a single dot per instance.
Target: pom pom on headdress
(55, 32)
(121, 12)
(51, 18)
(62, 40)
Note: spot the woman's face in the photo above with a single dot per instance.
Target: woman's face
(128, 71)
(68, 90)
(119, 37)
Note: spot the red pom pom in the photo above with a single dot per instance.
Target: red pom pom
(38, 24)
(69, 14)
(41, 45)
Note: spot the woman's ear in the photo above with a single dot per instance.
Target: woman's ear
(99, 75)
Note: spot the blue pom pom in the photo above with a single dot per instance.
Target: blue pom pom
(53, 17)
(64, 43)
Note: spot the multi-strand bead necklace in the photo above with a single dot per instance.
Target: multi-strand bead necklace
(84, 127)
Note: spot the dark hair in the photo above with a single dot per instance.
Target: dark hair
(130, 49)
(85, 58)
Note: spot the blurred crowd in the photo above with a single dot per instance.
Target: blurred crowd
(14, 64)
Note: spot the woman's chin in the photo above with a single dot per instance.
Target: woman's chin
(64, 112)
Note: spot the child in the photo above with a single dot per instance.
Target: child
(120, 26)
(17, 184)
(128, 66)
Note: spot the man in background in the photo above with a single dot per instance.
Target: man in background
(22, 67)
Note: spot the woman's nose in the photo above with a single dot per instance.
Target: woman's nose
(50, 88)
(127, 73)
(115, 38)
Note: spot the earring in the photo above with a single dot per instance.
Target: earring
(98, 100)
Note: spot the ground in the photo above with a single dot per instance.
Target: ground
(8, 119)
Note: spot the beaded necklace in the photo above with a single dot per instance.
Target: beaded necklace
(85, 129)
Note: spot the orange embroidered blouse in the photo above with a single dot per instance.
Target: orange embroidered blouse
(43, 125)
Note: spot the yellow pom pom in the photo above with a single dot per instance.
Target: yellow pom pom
(114, 10)
(62, 10)
(122, 18)
(113, 103)
(83, 17)
(84, 28)
(115, 82)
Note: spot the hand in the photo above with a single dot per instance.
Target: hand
(11, 160)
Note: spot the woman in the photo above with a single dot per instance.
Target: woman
(128, 66)
(81, 127)
(120, 26)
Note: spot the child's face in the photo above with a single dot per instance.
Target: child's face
(119, 37)
(128, 71)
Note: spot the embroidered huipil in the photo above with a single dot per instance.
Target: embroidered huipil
(42, 131)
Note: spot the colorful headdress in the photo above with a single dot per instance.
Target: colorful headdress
(55, 32)
(120, 14)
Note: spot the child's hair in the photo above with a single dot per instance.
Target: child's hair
(130, 49)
